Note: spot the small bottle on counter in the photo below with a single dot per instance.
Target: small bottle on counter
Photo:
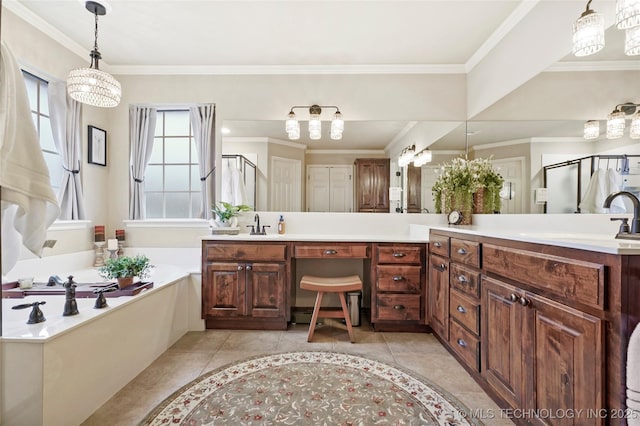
(281, 225)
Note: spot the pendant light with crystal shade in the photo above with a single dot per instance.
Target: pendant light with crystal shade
(588, 33)
(627, 14)
(292, 126)
(92, 86)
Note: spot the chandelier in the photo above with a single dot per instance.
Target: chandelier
(292, 126)
(616, 123)
(588, 30)
(91, 85)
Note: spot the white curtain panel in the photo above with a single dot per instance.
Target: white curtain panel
(203, 123)
(66, 118)
(142, 126)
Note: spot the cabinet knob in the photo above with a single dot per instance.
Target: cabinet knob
(524, 301)
(398, 278)
(437, 244)
(398, 307)
(462, 343)
(240, 267)
(248, 267)
(462, 251)
(441, 267)
(513, 297)
(331, 251)
(461, 309)
(462, 279)
(399, 254)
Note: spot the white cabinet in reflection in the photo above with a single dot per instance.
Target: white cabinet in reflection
(329, 188)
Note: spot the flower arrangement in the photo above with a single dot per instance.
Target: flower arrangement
(460, 179)
(225, 211)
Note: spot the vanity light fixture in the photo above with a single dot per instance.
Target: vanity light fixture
(292, 126)
(422, 158)
(91, 85)
(406, 156)
(616, 123)
(588, 30)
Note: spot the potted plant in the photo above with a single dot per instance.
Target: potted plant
(224, 212)
(124, 268)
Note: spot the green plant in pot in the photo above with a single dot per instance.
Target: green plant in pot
(124, 268)
(225, 212)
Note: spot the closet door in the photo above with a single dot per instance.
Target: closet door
(330, 188)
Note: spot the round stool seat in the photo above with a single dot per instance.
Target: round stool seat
(331, 284)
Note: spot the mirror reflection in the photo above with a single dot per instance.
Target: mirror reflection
(320, 175)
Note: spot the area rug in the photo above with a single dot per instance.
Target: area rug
(310, 388)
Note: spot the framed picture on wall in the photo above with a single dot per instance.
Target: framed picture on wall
(97, 146)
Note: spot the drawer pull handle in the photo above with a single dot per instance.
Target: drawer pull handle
(513, 297)
(399, 255)
(441, 267)
(437, 244)
(462, 251)
(462, 279)
(462, 343)
(524, 301)
(461, 309)
(331, 251)
(398, 278)
(398, 307)
(240, 267)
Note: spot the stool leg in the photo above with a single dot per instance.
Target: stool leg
(314, 316)
(347, 318)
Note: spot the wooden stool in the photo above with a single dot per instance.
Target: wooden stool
(323, 285)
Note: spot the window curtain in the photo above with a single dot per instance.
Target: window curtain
(65, 116)
(142, 126)
(203, 124)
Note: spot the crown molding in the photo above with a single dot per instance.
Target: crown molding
(583, 66)
(346, 151)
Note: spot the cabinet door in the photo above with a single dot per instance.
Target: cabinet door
(438, 296)
(564, 360)
(414, 193)
(502, 340)
(265, 287)
(223, 294)
(372, 185)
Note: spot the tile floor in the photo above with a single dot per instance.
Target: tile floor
(199, 352)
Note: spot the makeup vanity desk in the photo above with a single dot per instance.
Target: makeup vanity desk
(251, 282)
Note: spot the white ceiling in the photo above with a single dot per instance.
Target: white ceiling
(449, 36)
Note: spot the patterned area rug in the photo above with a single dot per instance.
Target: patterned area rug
(310, 388)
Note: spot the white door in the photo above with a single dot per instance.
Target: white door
(429, 177)
(513, 198)
(330, 188)
(286, 193)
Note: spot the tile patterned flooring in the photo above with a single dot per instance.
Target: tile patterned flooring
(201, 351)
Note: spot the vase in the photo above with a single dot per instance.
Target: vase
(125, 282)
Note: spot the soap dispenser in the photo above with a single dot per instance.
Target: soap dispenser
(281, 225)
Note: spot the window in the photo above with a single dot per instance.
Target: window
(172, 179)
(39, 104)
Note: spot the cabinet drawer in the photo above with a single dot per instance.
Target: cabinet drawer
(399, 278)
(465, 279)
(439, 245)
(467, 252)
(353, 251)
(465, 344)
(571, 279)
(249, 252)
(399, 254)
(465, 310)
(400, 307)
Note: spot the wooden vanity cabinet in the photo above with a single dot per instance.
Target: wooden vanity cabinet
(244, 286)
(398, 296)
(372, 184)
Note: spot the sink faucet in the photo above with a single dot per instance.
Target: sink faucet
(256, 219)
(635, 222)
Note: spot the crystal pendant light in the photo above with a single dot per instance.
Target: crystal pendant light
(615, 124)
(91, 85)
(588, 33)
(627, 14)
(634, 131)
(337, 126)
(592, 129)
(292, 126)
(315, 125)
(632, 41)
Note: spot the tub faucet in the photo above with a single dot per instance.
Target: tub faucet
(635, 222)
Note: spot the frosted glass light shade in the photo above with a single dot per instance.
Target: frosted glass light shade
(94, 87)
(592, 129)
(315, 126)
(588, 34)
(337, 126)
(627, 14)
(422, 158)
(407, 156)
(632, 41)
(634, 131)
(291, 123)
(615, 125)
